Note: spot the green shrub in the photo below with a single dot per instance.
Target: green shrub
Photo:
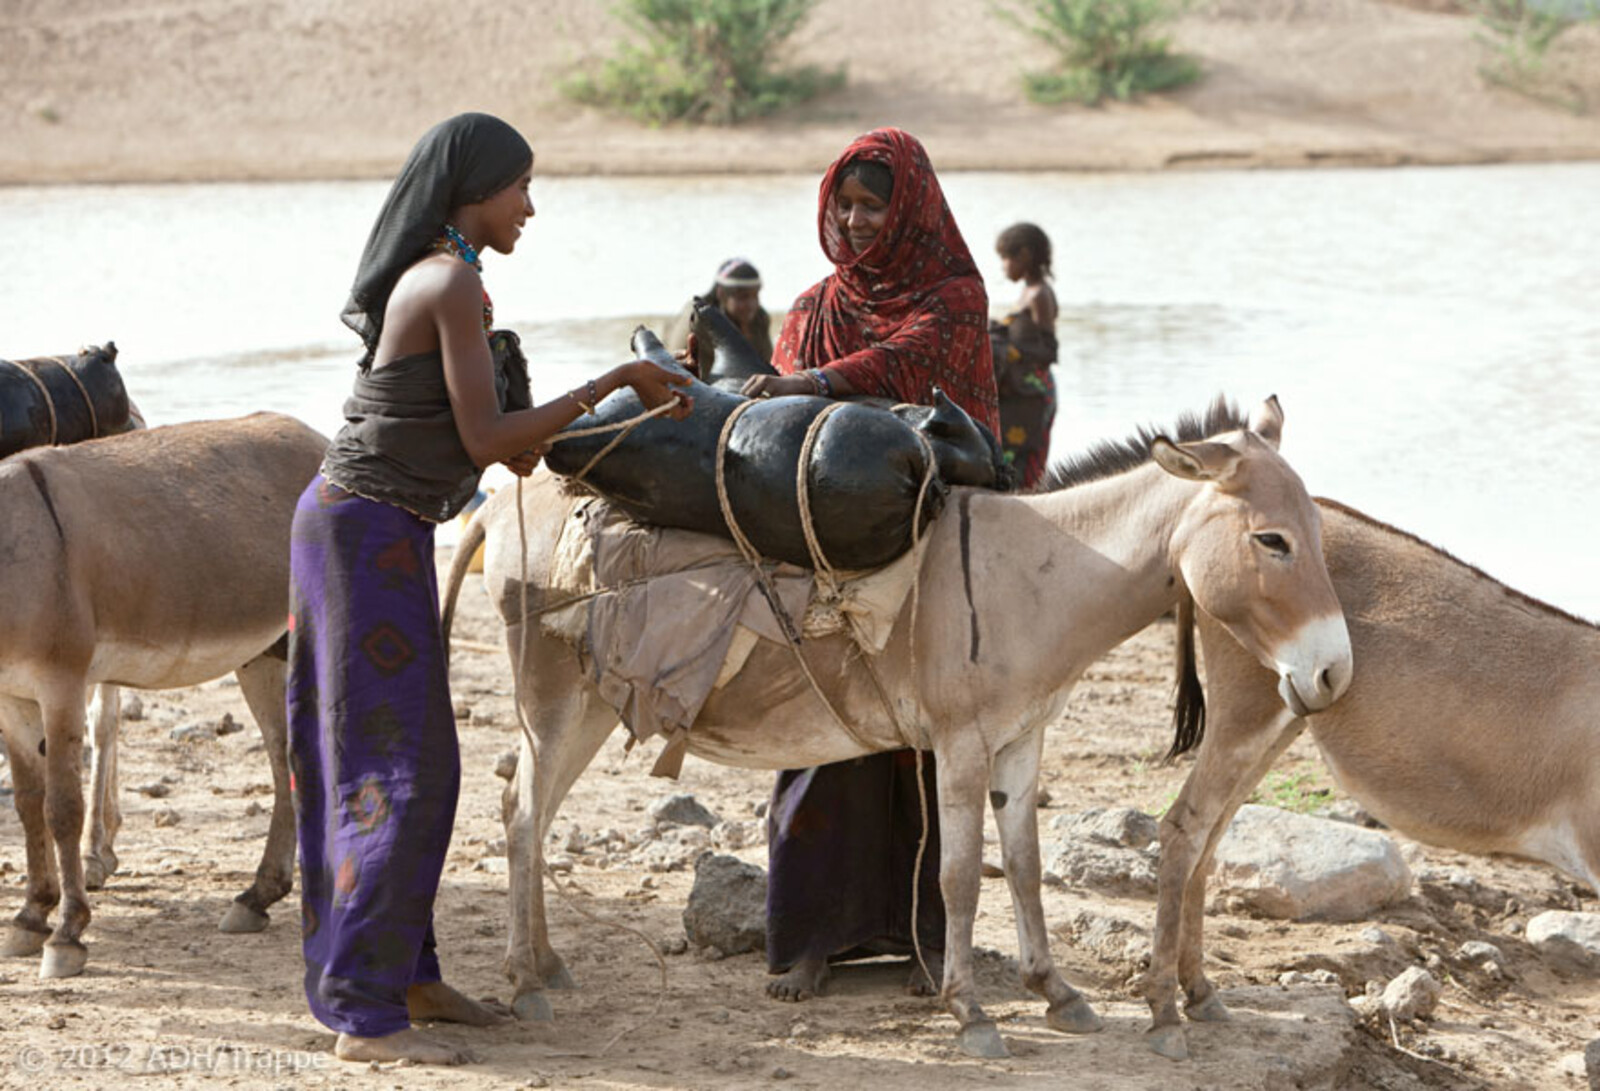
(707, 61)
(1518, 35)
(1104, 48)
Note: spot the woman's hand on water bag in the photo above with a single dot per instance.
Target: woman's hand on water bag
(525, 463)
(690, 359)
(654, 385)
(776, 386)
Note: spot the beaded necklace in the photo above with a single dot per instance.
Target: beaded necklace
(453, 242)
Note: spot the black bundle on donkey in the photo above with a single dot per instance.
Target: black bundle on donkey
(866, 462)
(52, 400)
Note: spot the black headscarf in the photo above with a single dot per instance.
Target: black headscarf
(457, 162)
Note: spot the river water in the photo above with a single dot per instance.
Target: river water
(1433, 334)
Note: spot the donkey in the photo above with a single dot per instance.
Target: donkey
(1114, 544)
(199, 514)
(1472, 724)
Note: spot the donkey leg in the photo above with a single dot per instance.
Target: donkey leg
(64, 952)
(24, 735)
(1014, 792)
(963, 772)
(1226, 770)
(566, 734)
(105, 812)
(263, 681)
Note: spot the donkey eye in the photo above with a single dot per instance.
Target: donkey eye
(1273, 542)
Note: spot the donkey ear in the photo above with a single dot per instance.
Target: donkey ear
(1267, 422)
(1194, 461)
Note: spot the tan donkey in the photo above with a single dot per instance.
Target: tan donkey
(152, 560)
(1473, 723)
(1101, 555)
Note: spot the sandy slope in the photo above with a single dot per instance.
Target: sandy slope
(177, 89)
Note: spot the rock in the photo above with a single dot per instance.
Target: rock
(1123, 827)
(228, 725)
(1591, 1064)
(255, 809)
(194, 733)
(132, 707)
(781, 1073)
(505, 766)
(1313, 977)
(494, 865)
(1570, 940)
(727, 908)
(1478, 951)
(463, 712)
(677, 945)
(1043, 797)
(155, 789)
(1111, 938)
(1106, 868)
(168, 817)
(1412, 995)
(1348, 810)
(682, 810)
(1292, 866)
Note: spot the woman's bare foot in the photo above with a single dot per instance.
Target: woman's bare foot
(403, 1045)
(437, 1002)
(801, 981)
(918, 984)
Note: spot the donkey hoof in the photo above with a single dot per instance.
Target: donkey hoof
(1209, 1010)
(532, 1008)
(63, 960)
(1074, 1017)
(982, 1040)
(1168, 1042)
(560, 979)
(242, 918)
(95, 874)
(23, 942)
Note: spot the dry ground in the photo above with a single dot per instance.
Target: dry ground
(164, 991)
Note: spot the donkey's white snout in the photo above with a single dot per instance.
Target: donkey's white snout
(1314, 669)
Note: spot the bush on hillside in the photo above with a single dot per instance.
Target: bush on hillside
(1105, 48)
(1518, 35)
(708, 61)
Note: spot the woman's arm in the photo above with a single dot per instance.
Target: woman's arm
(490, 435)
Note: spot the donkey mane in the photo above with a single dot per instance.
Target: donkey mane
(1109, 458)
(1510, 592)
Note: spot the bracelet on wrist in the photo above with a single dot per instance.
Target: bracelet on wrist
(587, 407)
(819, 379)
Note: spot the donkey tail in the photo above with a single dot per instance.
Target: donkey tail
(1189, 707)
(471, 538)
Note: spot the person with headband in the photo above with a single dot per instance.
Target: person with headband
(374, 759)
(903, 313)
(736, 292)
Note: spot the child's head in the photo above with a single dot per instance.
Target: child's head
(1025, 251)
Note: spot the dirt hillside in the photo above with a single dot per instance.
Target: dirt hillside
(119, 90)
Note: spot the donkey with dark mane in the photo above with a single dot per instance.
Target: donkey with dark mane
(1473, 723)
(1115, 542)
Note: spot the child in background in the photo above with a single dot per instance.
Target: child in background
(1024, 348)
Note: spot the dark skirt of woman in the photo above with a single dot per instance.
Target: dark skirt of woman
(841, 849)
(373, 749)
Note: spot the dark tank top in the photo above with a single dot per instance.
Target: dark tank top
(399, 443)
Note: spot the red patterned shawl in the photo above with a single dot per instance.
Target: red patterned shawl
(911, 312)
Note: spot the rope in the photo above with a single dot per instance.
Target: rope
(527, 732)
(622, 429)
(25, 366)
(94, 420)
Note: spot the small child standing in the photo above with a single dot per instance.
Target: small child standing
(1024, 348)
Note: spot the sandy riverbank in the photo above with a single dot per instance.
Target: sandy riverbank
(230, 89)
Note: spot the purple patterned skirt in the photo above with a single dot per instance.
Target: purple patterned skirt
(373, 749)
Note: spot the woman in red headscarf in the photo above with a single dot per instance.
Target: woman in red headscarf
(904, 312)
